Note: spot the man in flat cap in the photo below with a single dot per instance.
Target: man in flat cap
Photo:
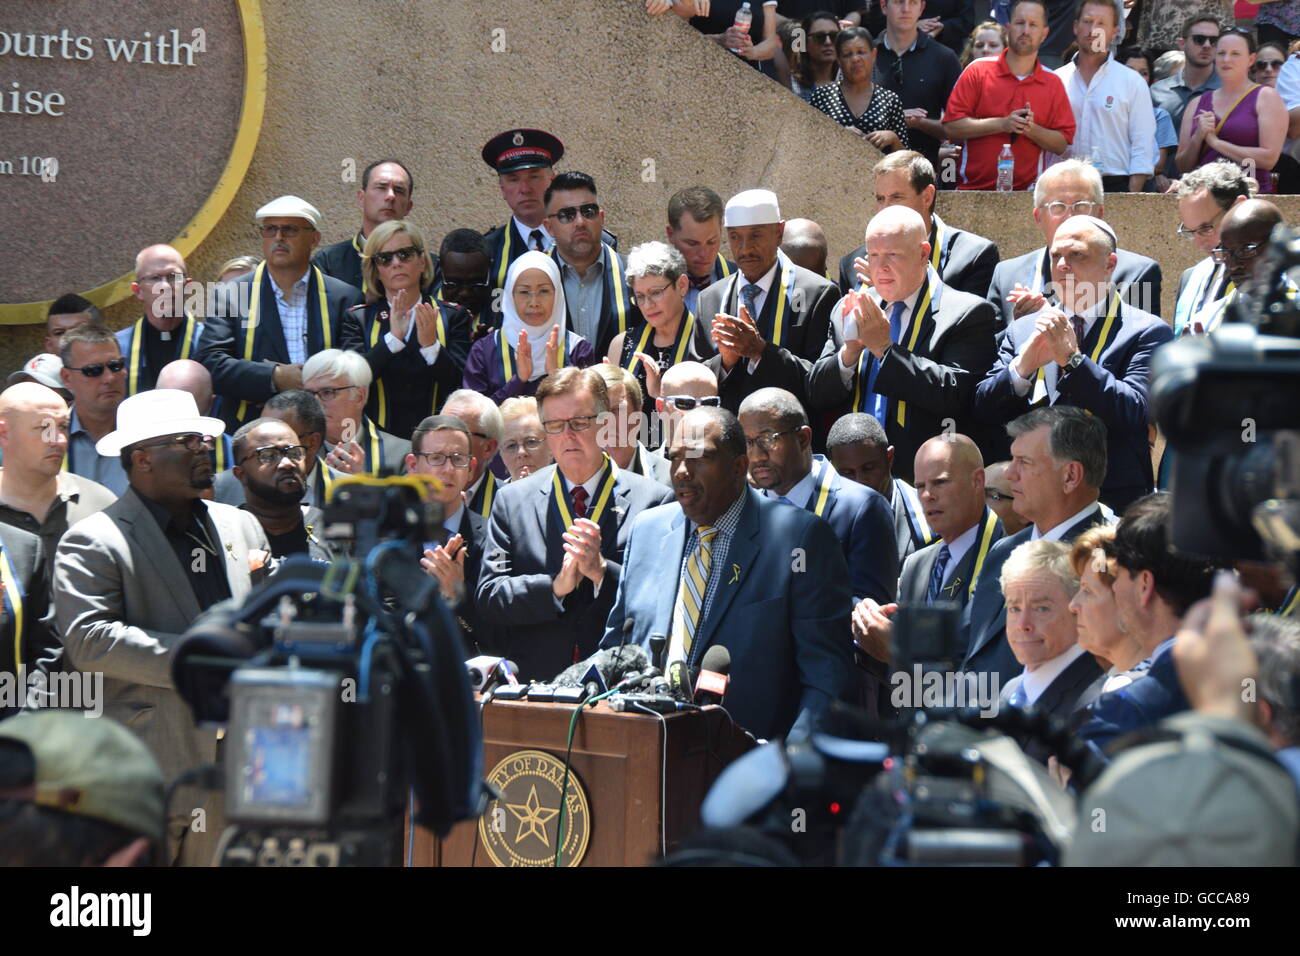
(524, 161)
(385, 194)
(769, 319)
(272, 321)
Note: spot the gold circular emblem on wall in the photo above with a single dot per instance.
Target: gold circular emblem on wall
(521, 828)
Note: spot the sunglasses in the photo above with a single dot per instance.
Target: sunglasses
(274, 454)
(193, 443)
(1268, 64)
(684, 403)
(96, 370)
(588, 210)
(824, 36)
(1203, 39)
(288, 232)
(403, 255)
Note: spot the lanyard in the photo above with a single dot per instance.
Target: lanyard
(915, 516)
(602, 496)
(1108, 332)
(137, 350)
(507, 366)
(938, 245)
(614, 272)
(489, 492)
(823, 493)
(375, 453)
(255, 309)
(507, 232)
(13, 605)
(356, 244)
(721, 267)
(986, 541)
(781, 297)
(381, 393)
(684, 332)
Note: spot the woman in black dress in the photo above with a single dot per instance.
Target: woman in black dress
(856, 101)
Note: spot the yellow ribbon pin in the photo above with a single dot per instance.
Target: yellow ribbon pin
(735, 574)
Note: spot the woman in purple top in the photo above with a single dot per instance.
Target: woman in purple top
(533, 340)
(1241, 121)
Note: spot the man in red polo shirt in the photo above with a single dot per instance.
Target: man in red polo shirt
(1010, 99)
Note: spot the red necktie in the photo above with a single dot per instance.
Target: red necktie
(579, 501)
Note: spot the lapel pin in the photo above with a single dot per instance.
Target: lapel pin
(735, 574)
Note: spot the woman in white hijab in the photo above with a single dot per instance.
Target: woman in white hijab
(534, 339)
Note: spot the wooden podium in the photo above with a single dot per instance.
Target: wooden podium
(626, 794)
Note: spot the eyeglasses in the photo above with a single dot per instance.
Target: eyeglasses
(824, 36)
(684, 403)
(192, 443)
(650, 297)
(556, 426)
(1241, 254)
(96, 370)
(329, 394)
(482, 436)
(288, 232)
(588, 210)
(274, 454)
(992, 495)
(1081, 208)
(528, 444)
(449, 283)
(1203, 230)
(769, 441)
(172, 277)
(405, 254)
(436, 459)
(1268, 64)
(1204, 39)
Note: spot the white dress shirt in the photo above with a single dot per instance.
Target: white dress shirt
(1052, 371)
(548, 241)
(1036, 681)
(958, 547)
(799, 494)
(430, 352)
(1114, 115)
(909, 309)
(1055, 534)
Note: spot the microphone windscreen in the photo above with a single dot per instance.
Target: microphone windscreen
(717, 659)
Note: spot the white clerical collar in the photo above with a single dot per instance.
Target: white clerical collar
(958, 547)
(800, 493)
(548, 241)
(1036, 681)
(1059, 531)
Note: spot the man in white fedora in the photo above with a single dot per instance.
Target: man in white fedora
(770, 318)
(130, 580)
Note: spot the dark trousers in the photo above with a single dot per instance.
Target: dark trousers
(1115, 184)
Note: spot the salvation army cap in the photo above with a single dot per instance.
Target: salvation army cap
(1208, 795)
(522, 149)
(90, 766)
(753, 207)
(290, 207)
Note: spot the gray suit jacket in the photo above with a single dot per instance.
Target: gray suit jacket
(914, 581)
(121, 604)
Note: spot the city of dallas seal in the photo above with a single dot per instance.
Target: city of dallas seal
(521, 828)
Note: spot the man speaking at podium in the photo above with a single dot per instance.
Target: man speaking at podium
(724, 565)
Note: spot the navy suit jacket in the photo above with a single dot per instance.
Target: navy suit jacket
(1114, 388)
(803, 333)
(1136, 277)
(954, 350)
(984, 620)
(863, 521)
(784, 622)
(1139, 705)
(521, 558)
(966, 261)
(37, 648)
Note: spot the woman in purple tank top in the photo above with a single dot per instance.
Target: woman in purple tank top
(1241, 121)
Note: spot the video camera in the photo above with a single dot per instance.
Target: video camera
(1227, 404)
(343, 688)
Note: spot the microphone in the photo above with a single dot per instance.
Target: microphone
(628, 626)
(658, 644)
(485, 671)
(606, 667)
(711, 685)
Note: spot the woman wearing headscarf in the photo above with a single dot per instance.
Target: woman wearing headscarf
(533, 340)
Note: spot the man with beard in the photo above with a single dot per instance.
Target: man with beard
(272, 466)
(130, 581)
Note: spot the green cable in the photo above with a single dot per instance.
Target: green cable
(564, 790)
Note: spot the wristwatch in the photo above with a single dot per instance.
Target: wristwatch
(1073, 362)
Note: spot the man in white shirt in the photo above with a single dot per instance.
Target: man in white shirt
(1112, 105)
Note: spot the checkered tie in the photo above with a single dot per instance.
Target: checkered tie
(695, 582)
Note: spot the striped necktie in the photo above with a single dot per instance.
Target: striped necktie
(695, 582)
(937, 573)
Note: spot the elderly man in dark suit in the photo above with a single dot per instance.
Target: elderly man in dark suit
(555, 541)
(271, 321)
(130, 580)
(716, 568)
(1058, 463)
(1039, 582)
(1093, 352)
(963, 260)
(1021, 286)
(910, 350)
(769, 318)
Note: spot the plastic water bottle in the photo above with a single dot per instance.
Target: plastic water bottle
(744, 19)
(1006, 169)
(1096, 159)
